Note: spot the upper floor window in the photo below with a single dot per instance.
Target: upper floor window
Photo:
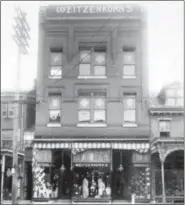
(55, 63)
(129, 65)
(92, 62)
(7, 110)
(174, 97)
(55, 108)
(164, 128)
(92, 107)
(129, 106)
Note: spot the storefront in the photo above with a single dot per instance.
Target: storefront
(92, 171)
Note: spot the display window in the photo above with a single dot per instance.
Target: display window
(92, 182)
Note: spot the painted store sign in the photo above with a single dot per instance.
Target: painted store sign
(92, 156)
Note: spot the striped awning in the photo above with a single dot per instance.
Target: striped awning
(52, 145)
(140, 147)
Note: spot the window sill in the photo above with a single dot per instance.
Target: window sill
(130, 125)
(53, 125)
(92, 77)
(129, 77)
(91, 125)
(55, 77)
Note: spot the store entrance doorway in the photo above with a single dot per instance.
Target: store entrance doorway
(121, 176)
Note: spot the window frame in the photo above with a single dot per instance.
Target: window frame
(176, 97)
(92, 97)
(4, 110)
(126, 96)
(56, 51)
(92, 50)
(165, 131)
(126, 50)
(11, 108)
(59, 96)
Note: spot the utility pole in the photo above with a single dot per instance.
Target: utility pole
(21, 37)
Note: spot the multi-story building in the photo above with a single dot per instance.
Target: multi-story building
(167, 144)
(26, 121)
(92, 127)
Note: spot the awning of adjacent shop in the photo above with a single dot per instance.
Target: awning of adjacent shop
(52, 145)
(140, 147)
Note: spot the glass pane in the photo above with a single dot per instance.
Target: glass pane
(84, 103)
(180, 101)
(129, 116)
(129, 70)
(3, 106)
(56, 58)
(85, 70)
(56, 71)
(129, 103)
(99, 70)
(85, 56)
(164, 125)
(170, 102)
(99, 116)
(54, 116)
(99, 103)
(84, 116)
(11, 112)
(180, 93)
(170, 92)
(99, 58)
(54, 102)
(129, 57)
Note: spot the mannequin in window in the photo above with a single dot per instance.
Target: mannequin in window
(101, 186)
(85, 189)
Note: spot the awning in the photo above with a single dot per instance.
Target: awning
(140, 147)
(52, 145)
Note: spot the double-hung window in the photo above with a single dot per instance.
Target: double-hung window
(55, 63)
(55, 108)
(164, 128)
(174, 97)
(92, 62)
(129, 65)
(92, 108)
(129, 105)
(4, 110)
(7, 110)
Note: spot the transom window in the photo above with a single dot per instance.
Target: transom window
(55, 108)
(129, 104)
(164, 128)
(129, 64)
(174, 97)
(92, 62)
(92, 108)
(7, 111)
(55, 63)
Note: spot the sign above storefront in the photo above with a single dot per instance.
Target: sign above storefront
(90, 10)
(92, 156)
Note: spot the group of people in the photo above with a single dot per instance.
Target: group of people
(93, 185)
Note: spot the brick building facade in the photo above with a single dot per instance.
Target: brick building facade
(92, 124)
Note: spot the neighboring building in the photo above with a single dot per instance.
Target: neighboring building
(167, 143)
(92, 118)
(7, 132)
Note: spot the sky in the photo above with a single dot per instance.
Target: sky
(165, 42)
